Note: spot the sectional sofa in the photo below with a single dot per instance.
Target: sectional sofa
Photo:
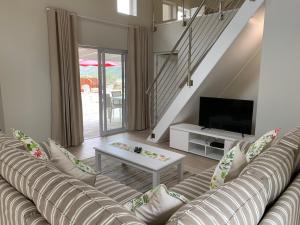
(267, 192)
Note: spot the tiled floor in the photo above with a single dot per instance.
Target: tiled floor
(90, 103)
(192, 162)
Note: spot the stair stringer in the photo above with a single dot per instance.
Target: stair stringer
(229, 35)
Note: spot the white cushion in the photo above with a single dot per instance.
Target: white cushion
(68, 164)
(156, 206)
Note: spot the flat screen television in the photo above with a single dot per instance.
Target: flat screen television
(226, 114)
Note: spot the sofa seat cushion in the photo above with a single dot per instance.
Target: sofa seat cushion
(276, 163)
(117, 191)
(196, 185)
(286, 210)
(65, 200)
(16, 209)
(241, 201)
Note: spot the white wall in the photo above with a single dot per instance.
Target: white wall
(243, 85)
(24, 61)
(279, 88)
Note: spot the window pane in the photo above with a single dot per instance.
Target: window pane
(123, 6)
(89, 86)
(128, 7)
(187, 13)
(167, 12)
(179, 13)
(114, 90)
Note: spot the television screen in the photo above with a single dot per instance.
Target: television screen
(226, 114)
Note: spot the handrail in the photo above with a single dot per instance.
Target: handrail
(173, 51)
(194, 43)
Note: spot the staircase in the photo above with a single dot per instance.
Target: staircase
(199, 49)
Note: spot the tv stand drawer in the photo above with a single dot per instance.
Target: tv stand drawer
(179, 140)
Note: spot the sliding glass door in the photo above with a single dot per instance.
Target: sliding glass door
(102, 78)
(112, 92)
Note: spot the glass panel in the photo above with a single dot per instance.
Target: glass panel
(187, 13)
(89, 85)
(114, 91)
(167, 12)
(128, 7)
(124, 6)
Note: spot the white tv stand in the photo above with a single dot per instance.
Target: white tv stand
(194, 139)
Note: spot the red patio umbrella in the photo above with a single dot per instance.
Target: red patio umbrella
(83, 62)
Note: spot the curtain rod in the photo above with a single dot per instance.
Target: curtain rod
(96, 20)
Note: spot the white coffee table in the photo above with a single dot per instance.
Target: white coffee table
(151, 165)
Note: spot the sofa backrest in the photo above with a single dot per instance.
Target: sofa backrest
(16, 209)
(58, 197)
(16, 165)
(241, 201)
(244, 200)
(286, 210)
(276, 163)
(292, 140)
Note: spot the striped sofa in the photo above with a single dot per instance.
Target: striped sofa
(33, 192)
(267, 192)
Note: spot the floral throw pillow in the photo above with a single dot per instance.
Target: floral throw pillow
(76, 162)
(229, 167)
(261, 144)
(156, 206)
(31, 146)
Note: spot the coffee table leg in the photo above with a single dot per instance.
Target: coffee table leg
(98, 161)
(180, 171)
(156, 179)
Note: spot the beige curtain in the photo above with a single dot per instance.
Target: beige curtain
(67, 122)
(139, 49)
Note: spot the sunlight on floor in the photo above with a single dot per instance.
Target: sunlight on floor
(90, 102)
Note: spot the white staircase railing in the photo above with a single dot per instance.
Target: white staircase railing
(200, 34)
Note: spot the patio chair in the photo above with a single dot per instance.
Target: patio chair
(117, 101)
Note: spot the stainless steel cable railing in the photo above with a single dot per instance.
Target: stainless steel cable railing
(200, 34)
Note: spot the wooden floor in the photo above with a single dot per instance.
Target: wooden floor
(192, 163)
